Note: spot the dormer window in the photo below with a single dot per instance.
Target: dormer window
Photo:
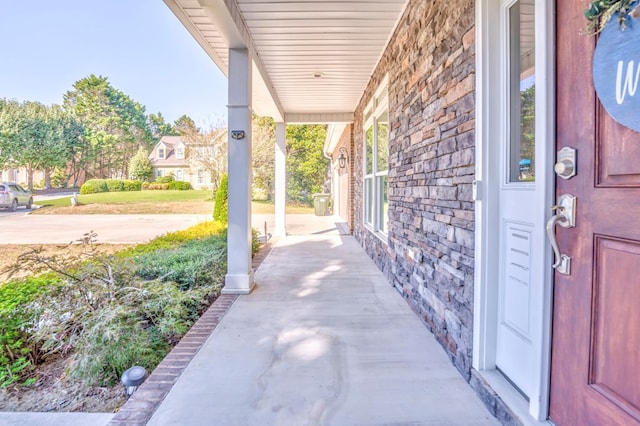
(180, 152)
(161, 153)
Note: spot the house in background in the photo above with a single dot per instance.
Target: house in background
(175, 156)
(20, 176)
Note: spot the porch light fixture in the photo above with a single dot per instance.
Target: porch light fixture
(132, 378)
(342, 159)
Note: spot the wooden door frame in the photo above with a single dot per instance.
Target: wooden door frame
(488, 180)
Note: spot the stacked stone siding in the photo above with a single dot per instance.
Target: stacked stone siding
(429, 256)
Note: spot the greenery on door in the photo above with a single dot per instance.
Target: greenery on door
(600, 12)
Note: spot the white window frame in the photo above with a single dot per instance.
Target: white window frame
(161, 152)
(372, 211)
(179, 175)
(180, 152)
(159, 173)
(201, 176)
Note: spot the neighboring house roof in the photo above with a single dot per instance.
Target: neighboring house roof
(169, 144)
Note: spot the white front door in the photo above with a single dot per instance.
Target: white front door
(519, 137)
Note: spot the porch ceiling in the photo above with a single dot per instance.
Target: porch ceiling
(312, 58)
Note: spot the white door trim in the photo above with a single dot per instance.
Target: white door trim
(488, 177)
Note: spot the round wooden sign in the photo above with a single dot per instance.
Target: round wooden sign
(616, 71)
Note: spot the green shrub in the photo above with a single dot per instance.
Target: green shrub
(102, 311)
(172, 239)
(59, 178)
(221, 206)
(179, 185)
(17, 352)
(93, 186)
(165, 179)
(145, 185)
(115, 185)
(132, 185)
(193, 264)
(110, 320)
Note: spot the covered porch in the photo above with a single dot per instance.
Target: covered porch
(297, 62)
(323, 339)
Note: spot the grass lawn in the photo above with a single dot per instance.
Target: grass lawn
(132, 197)
(150, 202)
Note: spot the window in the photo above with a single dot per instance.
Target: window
(376, 162)
(158, 172)
(179, 174)
(180, 152)
(522, 86)
(200, 177)
(161, 153)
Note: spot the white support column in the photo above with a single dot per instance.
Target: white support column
(239, 278)
(280, 228)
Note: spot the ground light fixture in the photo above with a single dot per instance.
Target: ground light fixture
(342, 159)
(132, 378)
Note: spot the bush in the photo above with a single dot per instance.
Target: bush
(157, 186)
(94, 186)
(132, 185)
(110, 311)
(194, 264)
(221, 206)
(165, 179)
(17, 352)
(179, 185)
(115, 185)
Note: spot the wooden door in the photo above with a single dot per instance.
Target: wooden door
(595, 370)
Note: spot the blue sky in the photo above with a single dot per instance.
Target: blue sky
(46, 46)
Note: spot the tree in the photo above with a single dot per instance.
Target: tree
(307, 167)
(115, 126)
(263, 155)
(185, 126)
(140, 167)
(36, 137)
(159, 127)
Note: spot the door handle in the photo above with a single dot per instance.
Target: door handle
(565, 217)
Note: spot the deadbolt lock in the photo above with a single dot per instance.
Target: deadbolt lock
(566, 163)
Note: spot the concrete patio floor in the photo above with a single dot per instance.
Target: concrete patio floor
(323, 340)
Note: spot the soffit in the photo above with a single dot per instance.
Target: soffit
(291, 42)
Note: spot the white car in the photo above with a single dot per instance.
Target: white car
(13, 195)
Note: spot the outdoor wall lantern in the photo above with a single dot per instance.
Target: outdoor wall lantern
(132, 378)
(237, 134)
(342, 159)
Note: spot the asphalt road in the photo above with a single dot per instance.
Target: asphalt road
(20, 227)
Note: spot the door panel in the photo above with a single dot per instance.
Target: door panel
(596, 325)
(522, 193)
(615, 339)
(614, 169)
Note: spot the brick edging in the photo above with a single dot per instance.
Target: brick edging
(143, 403)
(139, 408)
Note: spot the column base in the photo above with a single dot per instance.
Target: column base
(279, 232)
(238, 284)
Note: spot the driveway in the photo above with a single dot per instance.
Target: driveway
(22, 228)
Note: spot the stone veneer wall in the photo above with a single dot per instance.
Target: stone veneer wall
(430, 62)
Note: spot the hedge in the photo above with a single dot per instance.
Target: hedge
(93, 186)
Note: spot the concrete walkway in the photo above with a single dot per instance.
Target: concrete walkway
(323, 340)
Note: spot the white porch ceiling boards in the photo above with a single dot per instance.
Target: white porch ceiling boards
(293, 40)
